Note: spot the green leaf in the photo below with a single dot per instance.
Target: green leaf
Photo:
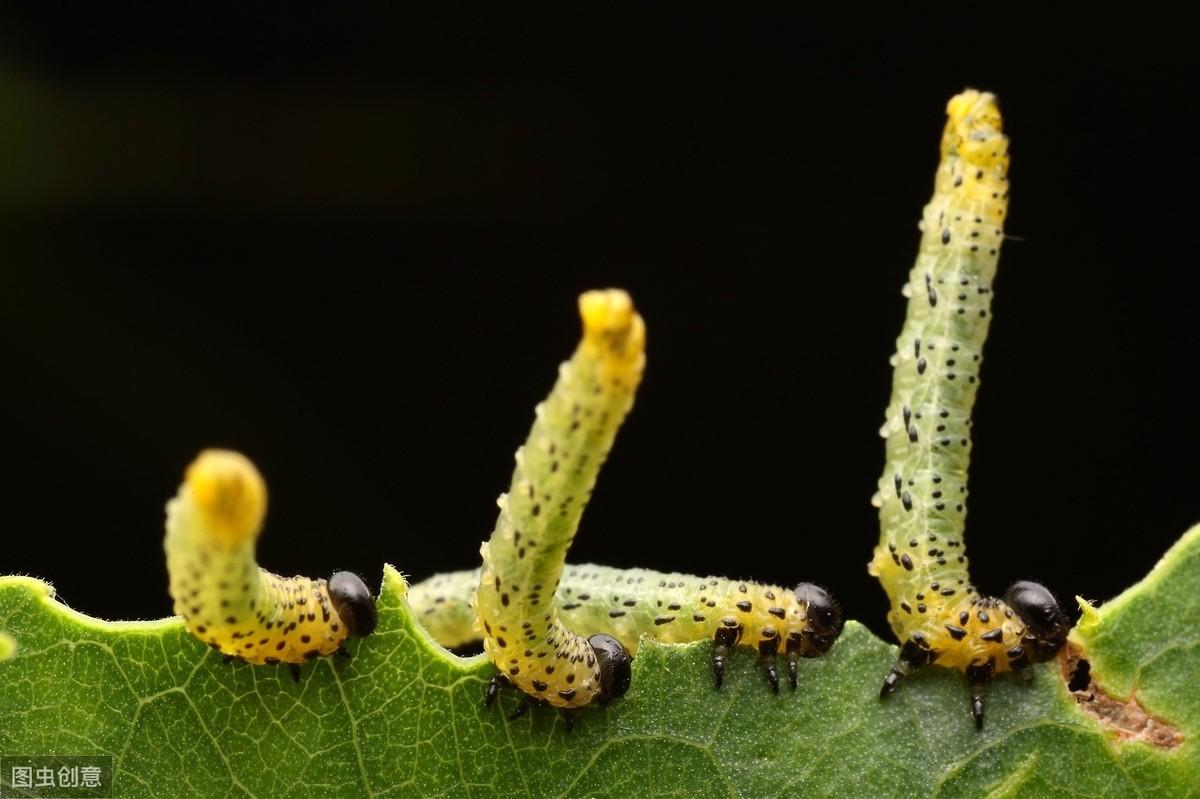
(404, 718)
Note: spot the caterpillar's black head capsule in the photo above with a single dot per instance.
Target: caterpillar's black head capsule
(824, 618)
(614, 662)
(353, 602)
(1046, 626)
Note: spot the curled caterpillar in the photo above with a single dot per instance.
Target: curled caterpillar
(572, 433)
(225, 599)
(921, 561)
(665, 607)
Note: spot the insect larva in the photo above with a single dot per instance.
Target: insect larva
(665, 607)
(921, 560)
(225, 599)
(572, 433)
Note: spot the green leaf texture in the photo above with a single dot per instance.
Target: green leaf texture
(404, 718)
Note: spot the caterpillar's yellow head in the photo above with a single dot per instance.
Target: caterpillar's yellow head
(228, 492)
(612, 326)
(974, 131)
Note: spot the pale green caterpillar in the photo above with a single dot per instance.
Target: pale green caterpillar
(921, 560)
(572, 433)
(225, 599)
(664, 607)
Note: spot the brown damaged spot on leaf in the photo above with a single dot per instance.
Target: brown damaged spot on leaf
(1128, 720)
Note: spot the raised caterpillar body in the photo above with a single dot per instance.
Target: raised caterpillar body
(228, 601)
(572, 433)
(921, 559)
(665, 607)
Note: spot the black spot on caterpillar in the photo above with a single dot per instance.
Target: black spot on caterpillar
(228, 601)
(573, 431)
(665, 607)
(921, 559)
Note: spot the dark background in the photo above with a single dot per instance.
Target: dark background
(350, 247)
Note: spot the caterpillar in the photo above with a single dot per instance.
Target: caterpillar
(921, 561)
(573, 431)
(228, 601)
(665, 607)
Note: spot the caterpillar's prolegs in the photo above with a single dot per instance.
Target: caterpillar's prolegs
(912, 656)
(497, 684)
(978, 676)
(726, 638)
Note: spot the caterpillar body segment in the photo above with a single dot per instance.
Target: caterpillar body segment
(921, 561)
(228, 601)
(443, 604)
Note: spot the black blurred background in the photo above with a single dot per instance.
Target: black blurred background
(350, 247)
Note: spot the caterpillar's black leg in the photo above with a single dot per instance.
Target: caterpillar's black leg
(978, 677)
(568, 717)
(229, 658)
(294, 669)
(913, 654)
(723, 641)
(898, 672)
(522, 708)
(772, 675)
(795, 645)
(1018, 661)
(498, 683)
(767, 651)
(342, 651)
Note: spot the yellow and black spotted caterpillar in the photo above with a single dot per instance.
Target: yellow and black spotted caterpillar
(534, 619)
(225, 599)
(921, 561)
(665, 607)
(572, 433)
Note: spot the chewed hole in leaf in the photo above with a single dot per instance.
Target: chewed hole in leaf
(8, 646)
(1080, 675)
(1126, 719)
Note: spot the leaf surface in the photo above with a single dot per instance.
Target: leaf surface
(404, 718)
